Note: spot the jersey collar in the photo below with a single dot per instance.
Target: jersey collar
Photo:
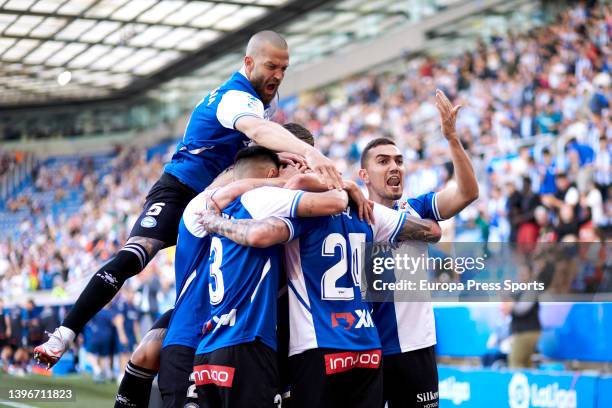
(241, 76)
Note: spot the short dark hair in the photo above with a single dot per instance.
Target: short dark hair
(256, 153)
(300, 132)
(380, 141)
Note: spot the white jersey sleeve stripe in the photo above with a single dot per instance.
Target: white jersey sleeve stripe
(398, 228)
(242, 115)
(289, 225)
(269, 201)
(191, 219)
(294, 204)
(235, 104)
(434, 206)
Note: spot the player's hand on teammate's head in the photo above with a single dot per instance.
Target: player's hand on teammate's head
(365, 207)
(448, 115)
(325, 169)
(291, 159)
(211, 205)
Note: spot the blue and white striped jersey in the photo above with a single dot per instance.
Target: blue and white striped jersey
(323, 267)
(243, 281)
(211, 141)
(406, 326)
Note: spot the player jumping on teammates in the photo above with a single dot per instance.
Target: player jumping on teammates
(222, 123)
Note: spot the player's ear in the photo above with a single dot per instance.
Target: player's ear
(363, 175)
(249, 63)
(272, 173)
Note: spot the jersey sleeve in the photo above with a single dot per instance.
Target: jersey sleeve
(237, 104)
(426, 205)
(388, 223)
(190, 214)
(300, 226)
(265, 202)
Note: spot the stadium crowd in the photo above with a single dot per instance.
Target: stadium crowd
(535, 110)
(536, 122)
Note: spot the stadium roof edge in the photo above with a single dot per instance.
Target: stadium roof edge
(231, 41)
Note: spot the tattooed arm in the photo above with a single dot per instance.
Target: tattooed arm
(253, 233)
(417, 229)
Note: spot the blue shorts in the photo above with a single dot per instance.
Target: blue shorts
(100, 348)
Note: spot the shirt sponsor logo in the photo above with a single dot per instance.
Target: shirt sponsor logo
(357, 319)
(148, 222)
(340, 362)
(221, 376)
(227, 319)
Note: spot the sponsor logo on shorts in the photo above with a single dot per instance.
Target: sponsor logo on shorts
(428, 396)
(221, 376)
(340, 362)
(148, 222)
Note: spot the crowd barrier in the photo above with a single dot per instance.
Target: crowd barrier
(478, 387)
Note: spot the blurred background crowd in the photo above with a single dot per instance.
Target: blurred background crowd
(535, 120)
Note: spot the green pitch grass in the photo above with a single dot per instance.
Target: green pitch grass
(88, 394)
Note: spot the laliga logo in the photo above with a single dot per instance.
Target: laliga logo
(521, 394)
(518, 391)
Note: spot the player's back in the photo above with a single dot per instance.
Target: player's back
(243, 285)
(323, 267)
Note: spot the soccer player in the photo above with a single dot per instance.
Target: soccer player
(223, 122)
(183, 338)
(334, 347)
(241, 283)
(407, 329)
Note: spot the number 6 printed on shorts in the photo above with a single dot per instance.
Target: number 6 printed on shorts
(155, 209)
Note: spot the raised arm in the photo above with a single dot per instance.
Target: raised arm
(254, 233)
(275, 137)
(453, 199)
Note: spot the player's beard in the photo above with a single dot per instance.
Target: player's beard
(259, 85)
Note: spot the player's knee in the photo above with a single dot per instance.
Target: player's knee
(148, 351)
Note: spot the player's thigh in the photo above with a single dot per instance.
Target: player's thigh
(176, 365)
(148, 350)
(162, 211)
(415, 382)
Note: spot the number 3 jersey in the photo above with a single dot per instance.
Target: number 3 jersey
(243, 281)
(323, 267)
